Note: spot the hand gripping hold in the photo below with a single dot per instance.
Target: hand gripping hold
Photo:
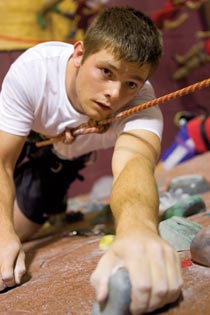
(119, 296)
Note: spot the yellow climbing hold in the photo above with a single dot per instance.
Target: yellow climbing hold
(106, 241)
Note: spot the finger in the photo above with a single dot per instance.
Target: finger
(2, 285)
(99, 280)
(101, 289)
(167, 278)
(8, 277)
(141, 283)
(8, 266)
(7, 273)
(20, 267)
(159, 275)
(175, 277)
(100, 277)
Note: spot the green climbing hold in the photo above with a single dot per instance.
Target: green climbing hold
(186, 207)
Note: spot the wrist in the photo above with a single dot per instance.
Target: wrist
(146, 226)
(6, 225)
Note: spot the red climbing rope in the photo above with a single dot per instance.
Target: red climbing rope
(101, 126)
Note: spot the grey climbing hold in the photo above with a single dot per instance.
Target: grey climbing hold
(119, 297)
(190, 184)
(200, 247)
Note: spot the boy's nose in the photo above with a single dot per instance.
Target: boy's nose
(113, 90)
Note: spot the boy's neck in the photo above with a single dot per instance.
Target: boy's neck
(71, 73)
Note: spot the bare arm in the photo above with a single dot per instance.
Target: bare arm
(194, 5)
(134, 159)
(152, 264)
(203, 34)
(173, 24)
(11, 255)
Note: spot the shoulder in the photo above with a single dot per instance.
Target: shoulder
(38, 62)
(145, 119)
(52, 47)
(43, 52)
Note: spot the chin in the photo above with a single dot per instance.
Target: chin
(96, 116)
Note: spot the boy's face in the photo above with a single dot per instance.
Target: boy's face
(104, 85)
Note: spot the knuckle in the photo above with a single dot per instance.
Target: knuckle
(162, 292)
(174, 293)
(140, 299)
(155, 246)
(176, 290)
(7, 277)
(8, 281)
(144, 289)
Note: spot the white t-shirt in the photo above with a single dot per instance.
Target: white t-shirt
(33, 97)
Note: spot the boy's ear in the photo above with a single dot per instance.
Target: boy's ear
(78, 53)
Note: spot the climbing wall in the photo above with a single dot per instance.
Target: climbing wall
(19, 27)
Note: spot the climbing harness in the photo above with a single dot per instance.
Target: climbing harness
(102, 125)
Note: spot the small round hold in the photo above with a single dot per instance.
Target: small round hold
(200, 247)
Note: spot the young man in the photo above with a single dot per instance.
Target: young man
(55, 86)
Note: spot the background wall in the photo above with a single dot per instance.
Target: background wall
(176, 41)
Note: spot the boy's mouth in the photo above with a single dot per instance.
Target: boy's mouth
(103, 106)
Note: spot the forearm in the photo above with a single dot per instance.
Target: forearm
(134, 199)
(7, 194)
(193, 5)
(12, 256)
(203, 34)
(153, 266)
(170, 24)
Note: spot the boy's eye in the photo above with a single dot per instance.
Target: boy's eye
(106, 71)
(132, 85)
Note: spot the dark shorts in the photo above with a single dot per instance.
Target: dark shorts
(42, 181)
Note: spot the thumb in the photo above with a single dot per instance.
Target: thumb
(20, 267)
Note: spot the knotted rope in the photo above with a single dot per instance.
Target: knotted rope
(102, 125)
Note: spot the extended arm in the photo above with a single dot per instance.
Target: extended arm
(194, 5)
(12, 258)
(203, 34)
(173, 24)
(153, 266)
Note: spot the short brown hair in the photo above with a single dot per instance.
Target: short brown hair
(127, 33)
